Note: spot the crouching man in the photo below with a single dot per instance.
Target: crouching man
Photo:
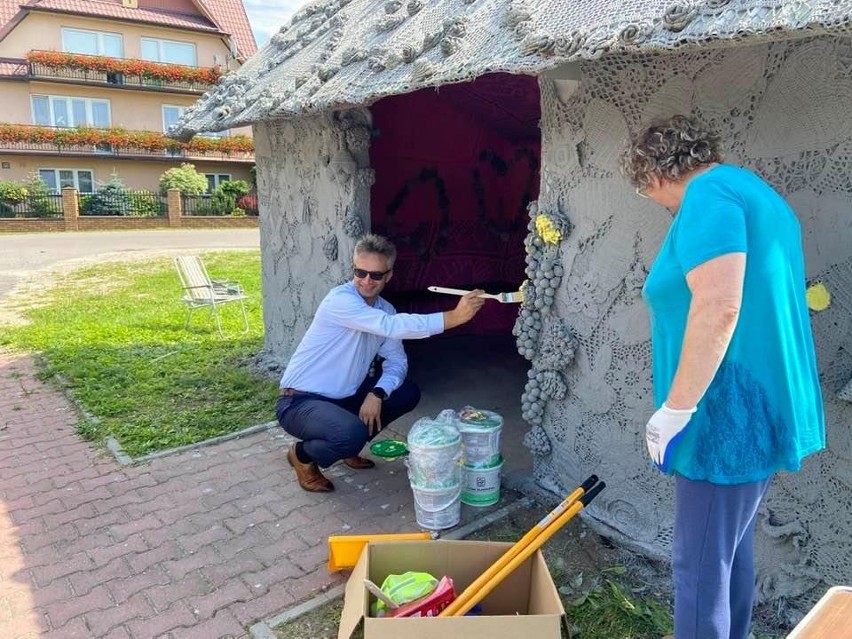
(328, 399)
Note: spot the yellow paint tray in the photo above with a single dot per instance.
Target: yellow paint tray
(344, 550)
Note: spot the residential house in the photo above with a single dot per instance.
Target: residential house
(90, 86)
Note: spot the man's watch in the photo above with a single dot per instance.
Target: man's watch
(380, 393)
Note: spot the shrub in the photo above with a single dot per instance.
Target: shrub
(238, 212)
(237, 188)
(112, 198)
(184, 178)
(249, 203)
(39, 197)
(11, 193)
(146, 204)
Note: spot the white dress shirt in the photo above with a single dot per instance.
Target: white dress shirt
(345, 336)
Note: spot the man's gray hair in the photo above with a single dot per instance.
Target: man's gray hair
(669, 149)
(378, 245)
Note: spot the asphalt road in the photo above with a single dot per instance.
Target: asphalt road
(22, 255)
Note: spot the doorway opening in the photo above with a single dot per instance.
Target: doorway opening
(456, 168)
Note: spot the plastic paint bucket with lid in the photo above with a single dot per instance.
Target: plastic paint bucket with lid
(437, 508)
(481, 433)
(434, 454)
(481, 486)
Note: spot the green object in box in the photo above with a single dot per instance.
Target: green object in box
(389, 448)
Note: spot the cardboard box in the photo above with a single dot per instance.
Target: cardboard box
(830, 618)
(525, 604)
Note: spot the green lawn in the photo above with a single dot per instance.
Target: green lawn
(114, 335)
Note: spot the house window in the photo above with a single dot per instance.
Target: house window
(171, 51)
(172, 113)
(57, 110)
(214, 180)
(92, 42)
(56, 179)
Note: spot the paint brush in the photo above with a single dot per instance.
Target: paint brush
(505, 298)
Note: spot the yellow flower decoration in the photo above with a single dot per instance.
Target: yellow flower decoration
(818, 297)
(547, 230)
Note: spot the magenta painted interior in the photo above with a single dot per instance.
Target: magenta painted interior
(455, 170)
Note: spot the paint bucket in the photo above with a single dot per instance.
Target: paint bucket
(482, 434)
(437, 508)
(434, 452)
(481, 486)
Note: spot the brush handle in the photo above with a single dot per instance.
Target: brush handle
(458, 291)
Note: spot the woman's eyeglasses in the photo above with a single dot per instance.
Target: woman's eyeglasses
(374, 275)
(640, 191)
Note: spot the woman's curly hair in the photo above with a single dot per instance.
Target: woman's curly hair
(669, 149)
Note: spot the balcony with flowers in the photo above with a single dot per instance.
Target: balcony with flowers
(77, 68)
(121, 143)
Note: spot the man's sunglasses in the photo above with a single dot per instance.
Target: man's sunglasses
(374, 275)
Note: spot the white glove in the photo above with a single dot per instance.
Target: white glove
(662, 429)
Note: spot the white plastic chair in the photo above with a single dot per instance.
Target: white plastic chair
(202, 292)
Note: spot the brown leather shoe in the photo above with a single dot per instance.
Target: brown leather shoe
(359, 463)
(309, 475)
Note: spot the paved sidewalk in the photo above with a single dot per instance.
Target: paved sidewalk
(198, 544)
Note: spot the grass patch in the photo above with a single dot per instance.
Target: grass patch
(114, 336)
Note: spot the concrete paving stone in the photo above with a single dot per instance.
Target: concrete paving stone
(221, 495)
(102, 622)
(43, 575)
(179, 568)
(119, 632)
(221, 574)
(206, 518)
(122, 589)
(311, 584)
(322, 528)
(194, 542)
(58, 590)
(260, 515)
(32, 543)
(72, 514)
(84, 581)
(234, 544)
(206, 606)
(177, 616)
(130, 549)
(291, 521)
(192, 584)
(103, 479)
(273, 552)
(53, 507)
(72, 499)
(223, 626)
(74, 629)
(158, 536)
(313, 558)
(282, 571)
(168, 550)
(278, 597)
(159, 503)
(89, 541)
(104, 522)
(61, 612)
(120, 532)
(181, 512)
(132, 483)
(73, 478)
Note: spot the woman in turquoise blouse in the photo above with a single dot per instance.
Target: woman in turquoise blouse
(733, 364)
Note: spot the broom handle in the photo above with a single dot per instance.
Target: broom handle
(527, 552)
(510, 554)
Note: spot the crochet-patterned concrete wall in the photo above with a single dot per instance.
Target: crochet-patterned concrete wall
(784, 111)
(313, 180)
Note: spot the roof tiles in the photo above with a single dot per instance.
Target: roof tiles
(229, 16)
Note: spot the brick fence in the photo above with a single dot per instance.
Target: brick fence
(72, 220)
